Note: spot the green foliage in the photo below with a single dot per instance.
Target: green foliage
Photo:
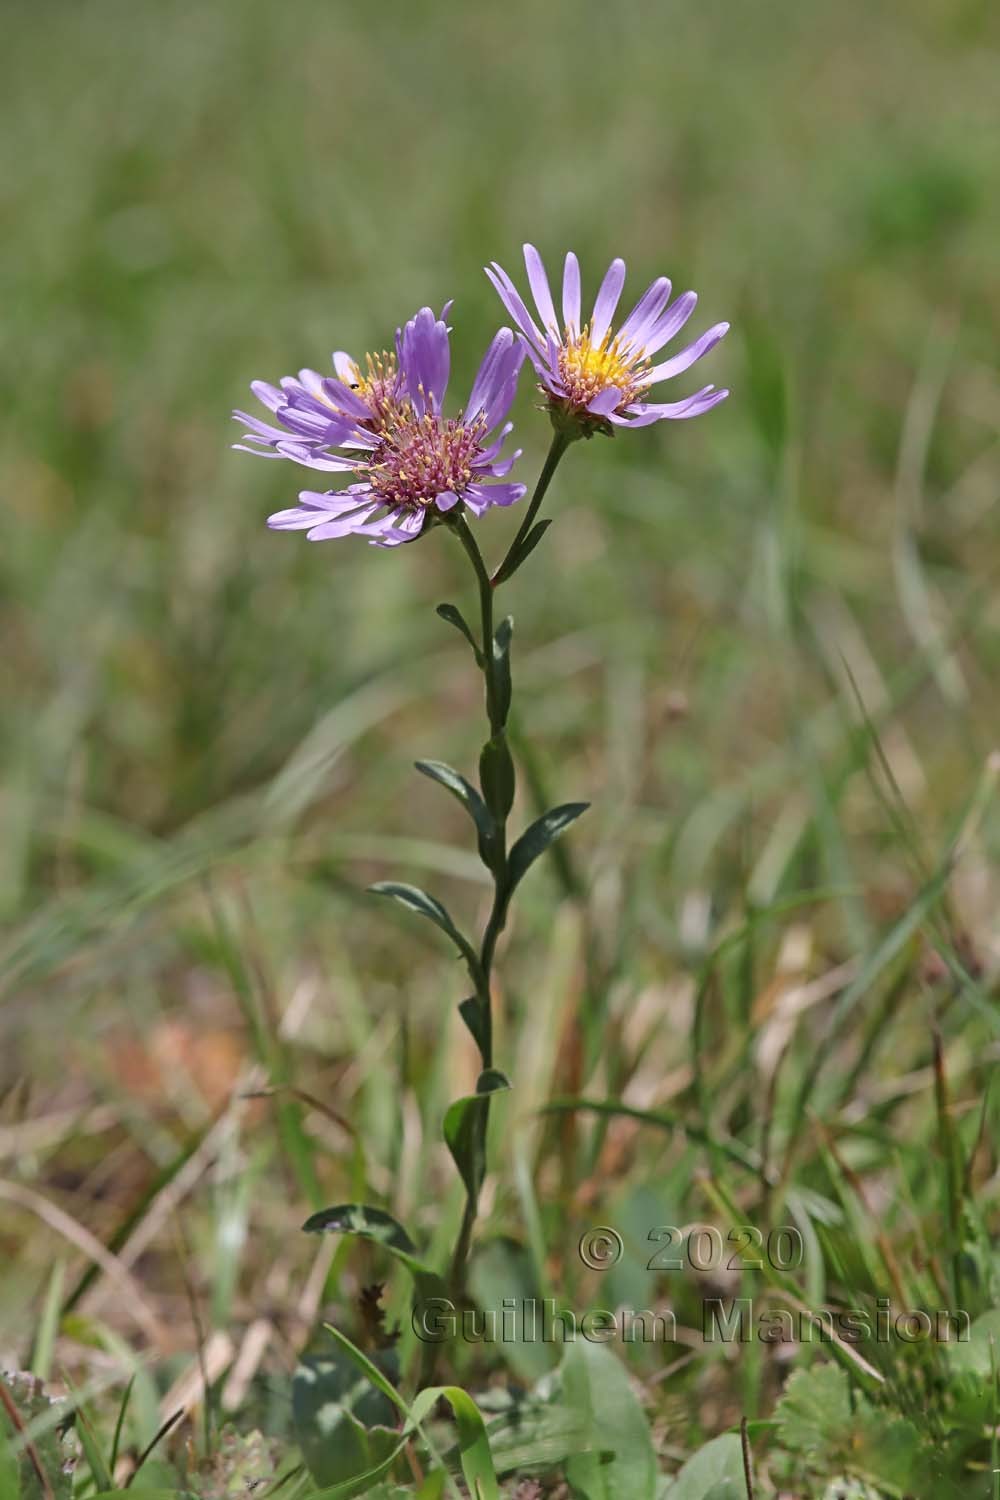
(496, 775)
(342, 1421)
(463, 1129)
(598, 1393)
(453, 615)
(501, 657)
(464, 792)
(375, 1224)
(536, 839)
(427, 906)
(830, 1429)
(715, 1472)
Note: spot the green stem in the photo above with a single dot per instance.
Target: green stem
(497, 715)
(462, 530)
(560, 442)
(495, 922)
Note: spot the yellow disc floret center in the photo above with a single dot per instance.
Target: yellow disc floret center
(587, 368)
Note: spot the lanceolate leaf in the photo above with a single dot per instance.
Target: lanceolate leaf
(496, 775)
(454, 616)
(412, 897)
(536, 839)
(462, 1129)
(501, 656)
(473, 1443)
(464, 791)
(471, 1011)
(375, 1224)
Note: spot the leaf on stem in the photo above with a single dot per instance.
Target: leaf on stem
(501, 659)
(462, 1129)
(465, 793)
(496, 776)
(471, 1011)
(414, 899)
(370, 1223)
(453, 615)
(536, 839)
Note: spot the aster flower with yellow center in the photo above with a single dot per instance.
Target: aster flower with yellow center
(411, 463)
(591, 375)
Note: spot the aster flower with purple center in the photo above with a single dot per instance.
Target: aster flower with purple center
(592, 375)
(411, 463)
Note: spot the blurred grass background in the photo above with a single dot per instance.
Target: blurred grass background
(208, 730)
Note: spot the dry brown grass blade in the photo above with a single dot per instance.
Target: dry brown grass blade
(164, 1205)
(111, 1265)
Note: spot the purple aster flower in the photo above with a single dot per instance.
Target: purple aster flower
(387, 428)
(591, 375)
(318, 412)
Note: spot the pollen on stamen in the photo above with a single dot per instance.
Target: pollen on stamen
(587, 368)
(379, 386)
(423, 457)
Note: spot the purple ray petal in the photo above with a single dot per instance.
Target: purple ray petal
(396, 529)
(344, 526)
(257, 427)
(605, 401)
(492, 374)
(672, 322)
(486, 455)
(317, 426)
(607, 300)
(571, 293)
(645, 312)
(297, 519)
(499, 467)
(344, 399)
(642, 413)
(300, 453)
(425, 361)
(509, 296)
(339, 502)
(495, 494)
(268, 395)
(689, 356)
(539, 283)
(256, 452)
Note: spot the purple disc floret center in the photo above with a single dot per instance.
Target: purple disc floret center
(423, 457)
